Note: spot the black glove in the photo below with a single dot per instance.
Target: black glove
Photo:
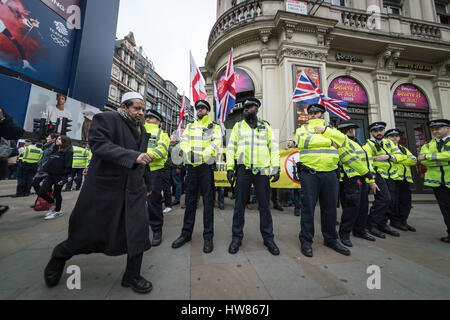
(275, 175)
(231, 177)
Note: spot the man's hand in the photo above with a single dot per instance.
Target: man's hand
(382, 157)
(149, 193)
(275, 176)
(374, 188)
(85, 171)
(422, 157)
(231, 177)
(144, 159)
(178, 171)
(319, 129)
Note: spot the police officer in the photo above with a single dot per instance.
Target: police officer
(200, 143)
(383, 154)
(158, 149)
(319, 157)
(435, 155)
(79, 164)
(402, 205)
(357, 175)
(252, 158)
(28, 164)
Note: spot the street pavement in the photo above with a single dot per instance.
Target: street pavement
(414, 266)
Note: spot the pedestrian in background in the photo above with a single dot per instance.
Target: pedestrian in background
(46, 153)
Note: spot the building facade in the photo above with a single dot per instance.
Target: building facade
(389, 59)
(132, 70)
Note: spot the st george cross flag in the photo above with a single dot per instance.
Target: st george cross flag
(306, 92)
(228, 100)
(183, 115)
(197, 82)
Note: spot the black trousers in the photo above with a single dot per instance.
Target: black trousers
(154, 203)
(322, 187)
(443, 197)
(49, 183)
(62, 254)
(201, 179)
(354, 196)
(77, 176)
(166, 187)
(403, 203)
(393, 191)
(378, 216)
(37, 183)
(25, 175)
(245, 179)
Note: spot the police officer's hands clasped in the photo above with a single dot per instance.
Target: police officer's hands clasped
(231, 177)
(320, 129)
(144, 159)
(382, 157)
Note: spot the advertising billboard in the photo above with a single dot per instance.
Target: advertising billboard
(243, 83)
(347, 89)
(36, 42)
(46, 104)
(409, 96)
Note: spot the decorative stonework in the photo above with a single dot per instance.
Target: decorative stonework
(264, 35)
(388, 57)
(304, 54)
(289, 28)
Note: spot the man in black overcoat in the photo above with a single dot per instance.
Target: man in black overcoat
(110, 216)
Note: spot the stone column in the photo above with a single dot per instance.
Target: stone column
(383, 110)
(441, 88)
(428, 10)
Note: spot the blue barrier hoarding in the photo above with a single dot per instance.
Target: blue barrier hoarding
(36, 42)
(14, 95)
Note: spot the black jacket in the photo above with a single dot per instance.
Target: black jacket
(9, 129)
(111, 214)
(59, 163)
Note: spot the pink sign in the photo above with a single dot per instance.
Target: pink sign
(347, 89)
(409, 96)
(243, 83)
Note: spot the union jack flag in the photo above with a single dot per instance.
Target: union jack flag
(183, 115)
(228, 100)
(306, 92)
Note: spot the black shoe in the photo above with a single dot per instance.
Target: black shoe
(222, 207)
(377, 233)
(272, 247)
(412, 229)
(234, 246)
(3, 210)
(399, 226)
(347, 243)
(446, 239)
(297, 213)
(156, 238)
(336, 246)
(53, 272)
(139, 284)
(208, 246)
(389, 231)
(307, 250)
(364, 236)
(278, 207)
(176, 203)
(180, 242)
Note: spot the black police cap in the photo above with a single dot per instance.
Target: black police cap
(347, 125)
(377, 126)
(393, 132)
(202, 103)
(252, 102)
(154, 114)
(439, 123)
(316, 108)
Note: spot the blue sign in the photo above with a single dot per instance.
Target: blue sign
(36, 42)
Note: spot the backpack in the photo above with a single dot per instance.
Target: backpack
(42, 205)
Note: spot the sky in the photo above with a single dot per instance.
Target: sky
(167, 30)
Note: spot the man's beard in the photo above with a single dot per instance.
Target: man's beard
(200, 116)
(250, 116)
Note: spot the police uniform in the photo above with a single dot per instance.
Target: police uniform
(382, 207)
(253, 154)
(200, 143)
(80, 162)
(158, 148)
(319, 178)
(356, 174)
(28, 164)
(437, 161)
(402, 204)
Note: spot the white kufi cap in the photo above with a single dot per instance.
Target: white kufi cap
(130, 96)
